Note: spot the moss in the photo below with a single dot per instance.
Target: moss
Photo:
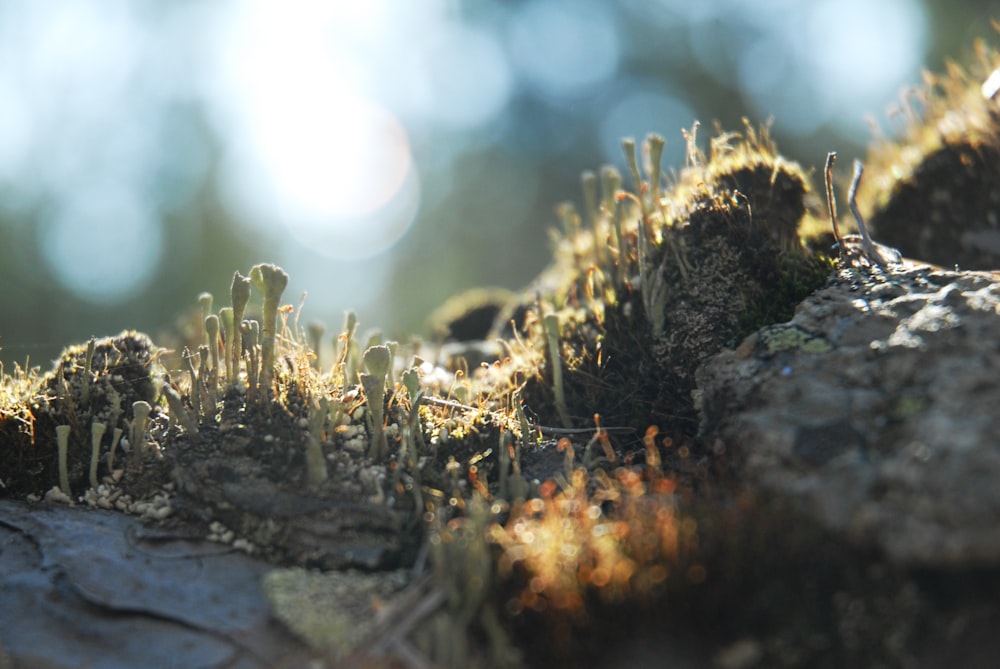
(470, 315)
(90, 383)
(716, 256)
(565, 525)
(936, 193)
(308, 467)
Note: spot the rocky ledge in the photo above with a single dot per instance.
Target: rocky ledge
(874, 410)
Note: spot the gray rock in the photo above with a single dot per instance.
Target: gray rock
(876, 410)
(85, 588)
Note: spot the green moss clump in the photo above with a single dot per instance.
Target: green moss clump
(309, 467)
(935, 192)
(94, 382)
(715, 257)
(470, 315)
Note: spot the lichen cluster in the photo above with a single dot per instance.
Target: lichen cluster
(543, 460)
(662, 278)
(90, 393)
(526, 470)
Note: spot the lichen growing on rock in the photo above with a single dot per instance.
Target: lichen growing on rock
(890, 407)
(573, 456)
(580, 412)
(694, 267)
(90, 383)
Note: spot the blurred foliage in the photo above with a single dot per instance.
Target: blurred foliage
(483, 219)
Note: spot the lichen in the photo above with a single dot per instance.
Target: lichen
(90, 383)
(710, 258)
(555, 475)
(787, 337)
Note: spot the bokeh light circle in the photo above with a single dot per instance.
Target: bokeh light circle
(103, 248)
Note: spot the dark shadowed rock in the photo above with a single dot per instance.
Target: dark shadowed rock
(84, 588)
(875, 410)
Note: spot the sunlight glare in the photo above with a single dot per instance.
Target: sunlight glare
(315, 151)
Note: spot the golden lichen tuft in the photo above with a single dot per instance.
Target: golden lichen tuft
(934, 192)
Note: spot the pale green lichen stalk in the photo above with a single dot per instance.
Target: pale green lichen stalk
(212, 328)
(96, 434)
(206, 300)
(611, 183)
(179, 413)
(316, 331)
(88, 366)
(240, 295)
(62, 442)
(137, 437)
(378, 360)
(116, 436)
(655, 143)
(228, 332)
(271, 281)
(251, 332)
(551, 323)
(315, 460)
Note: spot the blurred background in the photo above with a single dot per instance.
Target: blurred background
(386, 153)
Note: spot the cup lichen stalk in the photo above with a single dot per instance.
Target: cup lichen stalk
(205, 401)
(250, 331)
(116, 436)
(240, 295)
(611, 183)
(411, 381)
(551, 324)
(96, 434)
(628, 146)
(315, 460)
(179, 413)
(62, 443)
(271, 281)
(347, 351)
(522, 419)
(212, 328)
(655, 144)
(315, 331)
(407, 456)
(588, 183)
(195, 380)
(88, 364)
(228, 334)
(140, 417)
(377, 360)
(115, 410)
(205, 299)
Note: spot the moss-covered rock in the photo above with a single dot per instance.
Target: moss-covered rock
(93, 382)
(935, 191)
(710, 258)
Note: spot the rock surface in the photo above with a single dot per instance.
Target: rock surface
(875, 410)
(85, 588)
(872, 413)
